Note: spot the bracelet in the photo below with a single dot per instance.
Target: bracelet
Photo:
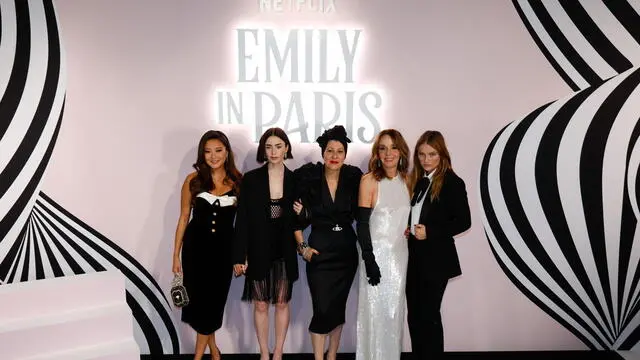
(301, 246)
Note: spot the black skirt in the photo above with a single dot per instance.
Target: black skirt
(330, 276)
(275, 288)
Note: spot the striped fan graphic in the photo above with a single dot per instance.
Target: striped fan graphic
(587, 42)
(559, 187)
(560, 209)
(38, 238)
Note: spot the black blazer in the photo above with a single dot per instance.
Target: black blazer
(252, 224)
(447, 216)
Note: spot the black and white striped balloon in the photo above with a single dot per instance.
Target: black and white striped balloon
(560, 208)
(587, 42)
(38, 238)
(559, 188)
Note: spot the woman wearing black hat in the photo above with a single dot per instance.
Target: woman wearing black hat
(329, 203)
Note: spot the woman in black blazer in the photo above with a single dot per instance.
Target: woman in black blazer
(439, 211)
(264, 247)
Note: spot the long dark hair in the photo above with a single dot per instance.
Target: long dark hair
(434, 139)
(403, 163)
(203, 180)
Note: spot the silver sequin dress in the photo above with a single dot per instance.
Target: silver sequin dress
(381, 307)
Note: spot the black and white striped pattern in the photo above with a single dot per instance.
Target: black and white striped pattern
(560, 209)
(55, 243)
(32, 67)
(587, 42)
(38, 238)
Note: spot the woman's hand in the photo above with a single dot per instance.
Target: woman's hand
(308, 252)
(239, 269)
(177, 266)
(420, 232)
(407, 232)
(297, 206)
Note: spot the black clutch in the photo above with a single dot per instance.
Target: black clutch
(179, 292)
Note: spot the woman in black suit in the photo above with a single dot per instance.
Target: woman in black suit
(264, 247)
(439, 211)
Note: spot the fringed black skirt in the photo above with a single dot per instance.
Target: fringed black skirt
(275, 288)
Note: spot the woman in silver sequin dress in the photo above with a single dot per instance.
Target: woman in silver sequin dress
(384, 195)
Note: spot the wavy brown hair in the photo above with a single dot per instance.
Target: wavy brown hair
(203, 180)
(375, 166)
(434, 139)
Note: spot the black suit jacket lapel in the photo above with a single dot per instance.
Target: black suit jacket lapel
(326, 193)
(288, 193)
(262, 188)
(288, 187)
(340, 188)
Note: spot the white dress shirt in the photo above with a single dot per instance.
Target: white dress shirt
(417, 208)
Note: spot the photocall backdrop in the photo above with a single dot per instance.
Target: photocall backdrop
(538, 102)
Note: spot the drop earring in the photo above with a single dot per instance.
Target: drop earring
(379, 163)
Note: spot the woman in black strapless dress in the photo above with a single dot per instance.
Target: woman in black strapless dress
(205, 241)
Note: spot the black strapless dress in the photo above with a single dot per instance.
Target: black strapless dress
(206, 260)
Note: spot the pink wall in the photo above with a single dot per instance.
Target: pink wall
(141, 76)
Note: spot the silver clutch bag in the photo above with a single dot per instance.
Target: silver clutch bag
(179, 292)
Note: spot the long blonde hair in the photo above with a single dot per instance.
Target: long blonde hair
(434, 139)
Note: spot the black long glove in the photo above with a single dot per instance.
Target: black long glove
(364, 239)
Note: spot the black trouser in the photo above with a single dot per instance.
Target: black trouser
(424, 296)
